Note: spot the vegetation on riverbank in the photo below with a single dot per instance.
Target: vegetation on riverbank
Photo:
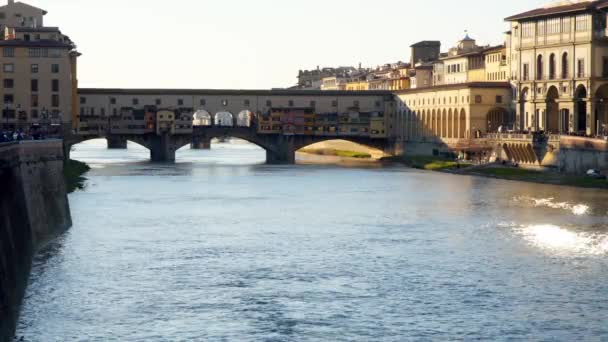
(337, 153)
(73, 172)
(428, 162)
(546, 177)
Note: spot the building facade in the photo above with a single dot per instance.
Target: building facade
(452, 112)
(39, 63)
(559, 65)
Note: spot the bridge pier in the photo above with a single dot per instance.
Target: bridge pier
(284, 152)
(116, 143)
(162, 149)
(200, 144)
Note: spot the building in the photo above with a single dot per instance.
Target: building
(334, 83)
(313, 79)
(39, 78)
(496, 64)
(464, 63)
(452, 112)
(425, 51)
(559, 66)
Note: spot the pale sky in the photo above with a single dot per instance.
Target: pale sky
(258, 44)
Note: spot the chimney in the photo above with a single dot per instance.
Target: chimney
(11, 2)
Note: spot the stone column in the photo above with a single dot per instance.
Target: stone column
(283, 152)
(200, 144)
(591, 117)
(162, 149)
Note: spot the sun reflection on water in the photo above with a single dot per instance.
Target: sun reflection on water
(577, 209)
(564, 241)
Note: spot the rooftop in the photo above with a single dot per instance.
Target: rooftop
(427, 43)
(561, 7)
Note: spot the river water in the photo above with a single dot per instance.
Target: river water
(222, 248)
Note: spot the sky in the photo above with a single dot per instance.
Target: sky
(258, 44)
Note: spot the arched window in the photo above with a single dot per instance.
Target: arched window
(552, 66)
(539, 67)
(565, 66)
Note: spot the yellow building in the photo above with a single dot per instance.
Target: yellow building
(452, 112)
(357, 85)
(38, 70)
(559, 65)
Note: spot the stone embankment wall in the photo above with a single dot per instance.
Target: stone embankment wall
(578, 155)
(33, 210)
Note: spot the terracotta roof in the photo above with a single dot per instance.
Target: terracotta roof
(548, 11)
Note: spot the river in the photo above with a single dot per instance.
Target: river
(220, 247)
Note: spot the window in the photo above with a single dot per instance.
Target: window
(180, 102)
(55, 100)
(356, 104)
(246, 103)
(313, 104)
(268, 103)
(158, 102)
(2, 15)
(54, 53)
(103, 111)
(8, 52)
(26, 37)
(9, 68)
(478, 98)
(112, 100)
(565, 65)
(9, 99)
(552, 66)
(35, 113)
(580, 68)
(527, 30)
(582, 22)
(35, 52)
(541, 27)
(604, 66)
(34, 100)
(526, 72)
(290, 103)
(379, 104)
(566, 25)
(553, 26)
(34, 85)
(83, 100)
(34, 68)
(9, 83)
(55, 85)
(55, 68)
(498, 99)
(203, 102)
(539, 67)
(135, 101)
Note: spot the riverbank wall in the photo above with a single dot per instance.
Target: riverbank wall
(34, 209)
(569, 155)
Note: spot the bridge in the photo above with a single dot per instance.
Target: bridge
(279, 121)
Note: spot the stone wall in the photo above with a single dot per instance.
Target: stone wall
(33, 210)
(577, 155)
